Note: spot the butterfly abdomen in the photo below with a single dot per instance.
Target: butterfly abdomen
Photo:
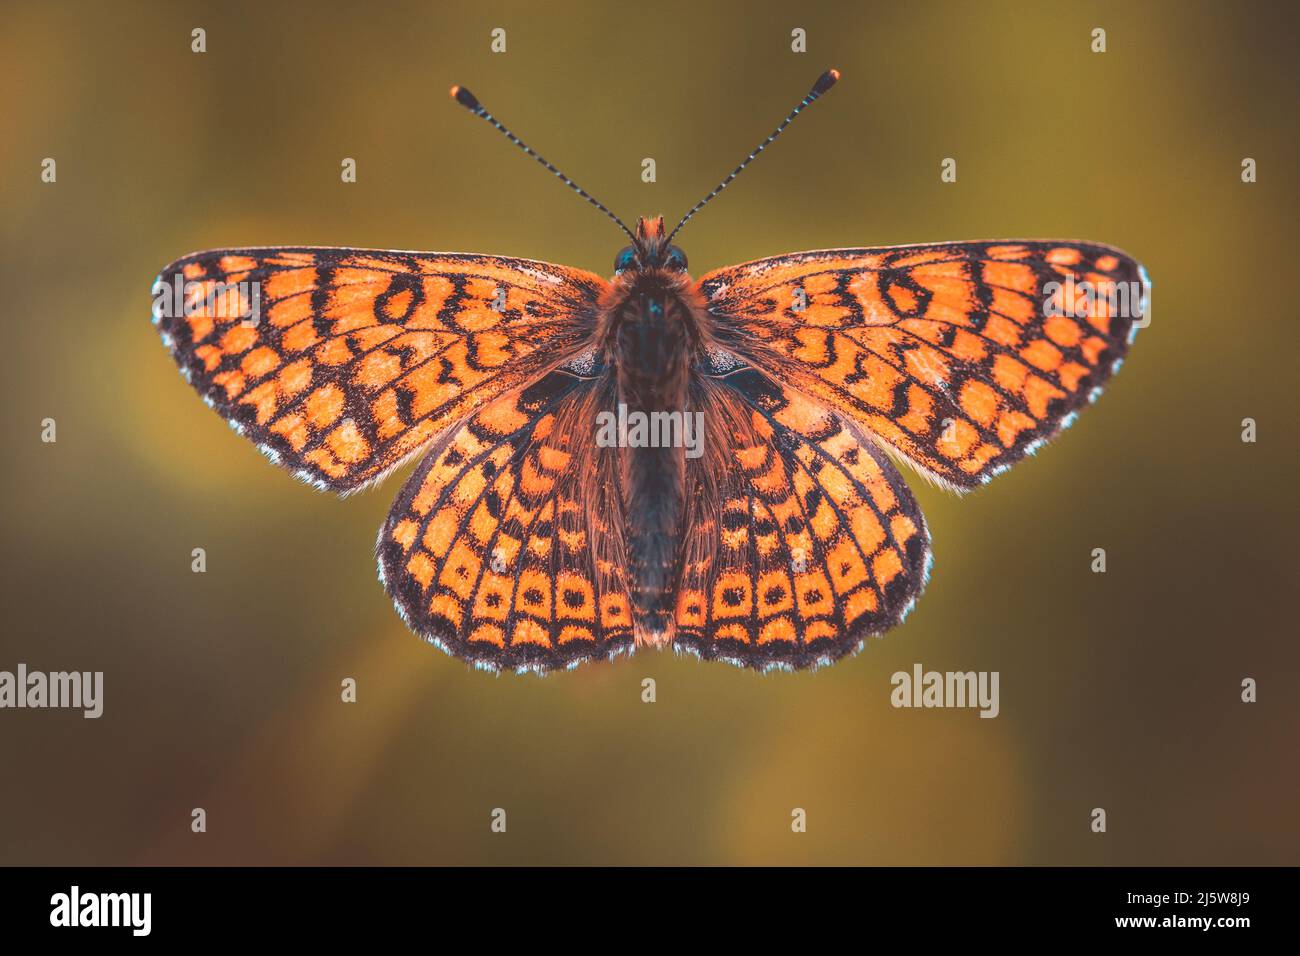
(652, 348)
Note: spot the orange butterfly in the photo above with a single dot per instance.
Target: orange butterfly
(652, 459)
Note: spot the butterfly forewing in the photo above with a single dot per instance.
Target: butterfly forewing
(962, 357)
(341, 363)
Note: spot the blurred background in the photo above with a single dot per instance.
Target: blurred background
(1118, 690)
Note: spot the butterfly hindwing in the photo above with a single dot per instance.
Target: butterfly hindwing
(342, 363)
(492, 546)
(811, 541)
(962, 357)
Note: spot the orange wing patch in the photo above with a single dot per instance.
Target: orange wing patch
(817, 544)
(488, 551)
(342, 363)
(963, 357)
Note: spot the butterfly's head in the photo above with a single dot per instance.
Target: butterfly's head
(650, 249)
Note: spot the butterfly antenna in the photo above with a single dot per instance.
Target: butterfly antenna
(824, 83)
(468, 100)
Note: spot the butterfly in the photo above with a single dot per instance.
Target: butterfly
(651, 459)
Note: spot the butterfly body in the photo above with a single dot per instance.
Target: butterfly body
(653, 326)
(759, 518)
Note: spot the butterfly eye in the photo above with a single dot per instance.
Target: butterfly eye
(675, 260)
(626, 259)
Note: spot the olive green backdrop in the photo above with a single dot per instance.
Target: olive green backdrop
(1118, 690)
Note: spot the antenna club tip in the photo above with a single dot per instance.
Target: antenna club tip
(825, 81)
(465, 98)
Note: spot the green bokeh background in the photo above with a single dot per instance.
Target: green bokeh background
(1119, 690)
